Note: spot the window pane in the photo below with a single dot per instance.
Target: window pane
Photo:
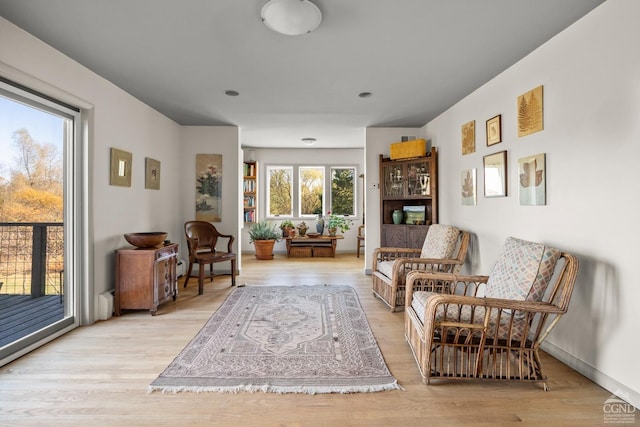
(311, 190)
(343, 191)
(34, 135)
(280, 191)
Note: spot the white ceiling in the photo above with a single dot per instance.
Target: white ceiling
(417, 57)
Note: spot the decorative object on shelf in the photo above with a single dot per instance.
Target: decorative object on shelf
(332, 231)
(302, 229)
(286, 226)
(340, 222)
(495, 174)
(264, 235)
(320, 224)
(469, 137)
(313, 235)
(208, 187)
(397, 216)
(469, 187)
(415, 215)
(530, 112)
(408, 149)
(494, 130)
(120, 172)
(533, 182)
(149, 239)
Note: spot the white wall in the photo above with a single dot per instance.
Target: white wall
(222, 140)
(591, 78)
(116, 119)
(311, 157)
(377, 141)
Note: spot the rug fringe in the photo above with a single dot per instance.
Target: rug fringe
(276, 389)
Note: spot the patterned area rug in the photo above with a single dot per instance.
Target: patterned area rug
(282, 339)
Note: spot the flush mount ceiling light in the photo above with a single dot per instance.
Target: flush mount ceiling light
(309, 141)
(291, 17)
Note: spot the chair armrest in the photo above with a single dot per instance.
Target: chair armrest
(531, 315)
(441, 282)
(389, 254)
(192, 247)
(422, 264)
(231, 238)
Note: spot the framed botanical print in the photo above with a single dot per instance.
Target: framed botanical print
(532, 180)
(494, 130)
(468, 182)
(469, 137)
(530, 112)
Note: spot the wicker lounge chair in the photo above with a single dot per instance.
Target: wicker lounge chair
(391, 265)
(489, 327)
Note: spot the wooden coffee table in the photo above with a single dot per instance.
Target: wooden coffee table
(321, 246)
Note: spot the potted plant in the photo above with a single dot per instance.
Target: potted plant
(264, 235)
(286, 226)
(335, 222)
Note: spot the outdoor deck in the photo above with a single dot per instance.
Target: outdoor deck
(21, 315)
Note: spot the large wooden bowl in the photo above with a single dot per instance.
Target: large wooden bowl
(149, 239)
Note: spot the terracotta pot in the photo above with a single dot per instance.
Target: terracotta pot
(264, 248)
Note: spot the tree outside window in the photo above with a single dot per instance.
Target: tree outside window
(343, 191)
(311, 186)
(280, 189)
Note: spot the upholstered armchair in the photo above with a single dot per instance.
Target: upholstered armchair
(391, 265)
(489, 327)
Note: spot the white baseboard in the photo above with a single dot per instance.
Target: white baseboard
(598, 377)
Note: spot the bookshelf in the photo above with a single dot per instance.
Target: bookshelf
(250, 192)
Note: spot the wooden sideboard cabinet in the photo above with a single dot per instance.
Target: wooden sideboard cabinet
(145, 278)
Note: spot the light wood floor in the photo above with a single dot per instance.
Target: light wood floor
(98, 375)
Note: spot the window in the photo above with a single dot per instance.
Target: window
(317, 189)
(40, 225)
(311, 190)
(343, 191)
(279, 191)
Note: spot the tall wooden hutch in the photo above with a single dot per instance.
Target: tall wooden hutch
(411, 187)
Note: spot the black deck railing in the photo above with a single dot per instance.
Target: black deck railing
(31, 258)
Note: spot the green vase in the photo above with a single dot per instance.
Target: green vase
(397, 216)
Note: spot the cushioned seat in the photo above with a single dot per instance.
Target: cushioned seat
(391, 265)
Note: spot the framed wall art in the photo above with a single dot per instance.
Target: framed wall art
(533, 180)
(151, 174)
(530, 117)
(469, 137)
(495, 174)
(209, 187)
(120, 168)
(469, 192)
(494, 130)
